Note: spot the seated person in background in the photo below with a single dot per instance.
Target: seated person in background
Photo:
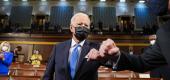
(152, 39)
(36, 59)
(16, 53)
(5, 58)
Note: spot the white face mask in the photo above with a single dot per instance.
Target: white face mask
(4, 48)
(152, 42)
(36, 52)
(131, 53)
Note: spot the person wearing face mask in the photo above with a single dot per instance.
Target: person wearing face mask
(154, 57)
(68, 60)
(152, 39)
(36, 59)
(5, 58)
(160, 72)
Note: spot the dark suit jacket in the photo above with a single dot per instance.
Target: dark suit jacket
(155, 56)
(161, 72)
(58, 63)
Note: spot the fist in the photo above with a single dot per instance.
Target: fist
(93, 55)
(108, 48)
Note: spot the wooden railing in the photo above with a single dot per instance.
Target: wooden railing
(110, 78)
(39, 78)
(20, 78)
(20, 71)
(17, 69)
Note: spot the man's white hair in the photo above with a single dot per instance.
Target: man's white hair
(78, 14)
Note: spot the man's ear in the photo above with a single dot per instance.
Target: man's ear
(71, 28)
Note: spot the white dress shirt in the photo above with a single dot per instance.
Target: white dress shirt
(73, 46)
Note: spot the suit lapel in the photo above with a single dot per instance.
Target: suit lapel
(65, 57)
(85, 50)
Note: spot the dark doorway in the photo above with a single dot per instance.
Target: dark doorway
(126, 23)
(40, 22)
(4, 23)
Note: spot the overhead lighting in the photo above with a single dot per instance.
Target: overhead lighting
(82, 0)
(5, 0)
(102, 0)
(141, 1)
(43, 0)
(122, 0)
(62, 0)
(24, 0)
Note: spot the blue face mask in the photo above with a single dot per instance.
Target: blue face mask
(81, 33)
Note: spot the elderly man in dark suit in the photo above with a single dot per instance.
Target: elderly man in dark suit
(156, 56)
(68, 60)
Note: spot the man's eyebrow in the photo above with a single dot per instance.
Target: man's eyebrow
(79, 23)
(86, 25)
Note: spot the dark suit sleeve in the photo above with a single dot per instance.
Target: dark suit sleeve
(150, 59)
(48, 75)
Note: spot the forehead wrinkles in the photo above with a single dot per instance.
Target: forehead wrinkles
(82, 20)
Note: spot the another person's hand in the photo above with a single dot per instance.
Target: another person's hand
(1, 56)
(93, 55)
(108, 48)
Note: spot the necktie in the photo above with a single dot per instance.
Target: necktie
(73, 61)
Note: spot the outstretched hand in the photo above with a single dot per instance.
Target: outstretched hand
(107, 48)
